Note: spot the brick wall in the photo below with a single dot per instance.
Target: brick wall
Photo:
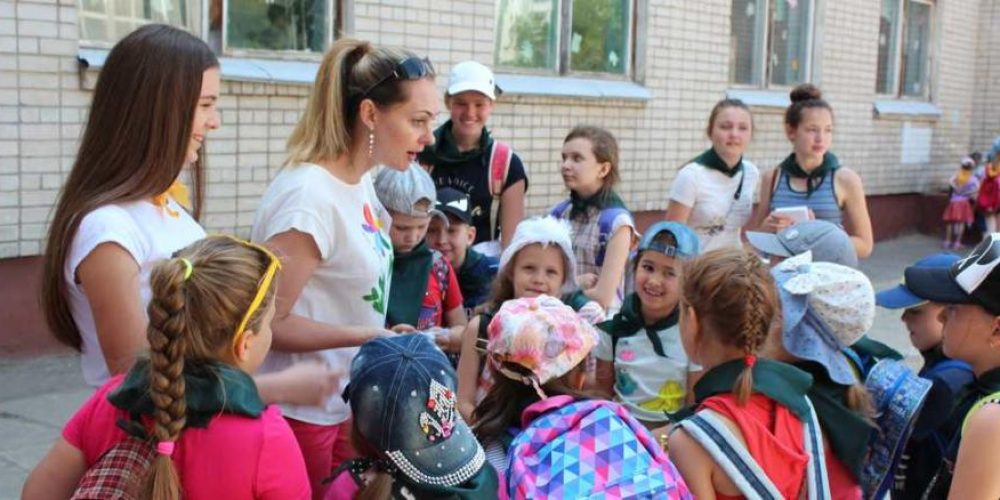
(43, 102)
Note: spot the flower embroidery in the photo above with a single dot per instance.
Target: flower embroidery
(626, 386)
(438, 421)
(670, 398)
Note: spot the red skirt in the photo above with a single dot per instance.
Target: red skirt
(959, 211)
(989, 195)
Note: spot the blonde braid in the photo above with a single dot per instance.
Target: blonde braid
(754, 326)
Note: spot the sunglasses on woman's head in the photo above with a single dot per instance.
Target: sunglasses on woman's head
(411, 68)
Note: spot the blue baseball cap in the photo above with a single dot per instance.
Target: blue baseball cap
(402, 396)
(900, 296)
(687, 241)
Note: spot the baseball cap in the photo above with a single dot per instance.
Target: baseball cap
(451, 201)
(543, 335)
(825, 307)
(545, 231)
(974, 279)
(828, 242)
(402, 393)
(687, 242)
(402, 191)
(900, 296)
(472, 75)
(968, 162)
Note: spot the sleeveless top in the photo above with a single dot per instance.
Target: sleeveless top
(823, 200)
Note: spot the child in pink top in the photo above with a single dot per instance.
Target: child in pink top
(202, 430)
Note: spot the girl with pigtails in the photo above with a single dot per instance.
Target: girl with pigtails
(753, 432)
(189, 418)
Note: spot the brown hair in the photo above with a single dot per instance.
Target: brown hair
(805, 96)
(605, 149)
(663, 238)
(734, 296)
(191, 321)
(133, 147)
(723, 105)
(349, 69)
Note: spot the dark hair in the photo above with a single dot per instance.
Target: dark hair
(133, 147)
(605, 149)
(805, 96)
(663, 238)
(722, 105)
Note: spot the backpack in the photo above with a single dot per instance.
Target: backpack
(990, 399)
(584, 449)
(500, 156)
(119, 473)
(439, 267)
(605, 224)
(714, 436)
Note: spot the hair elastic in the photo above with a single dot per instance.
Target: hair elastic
(750, 360)
(165, 448)
(188, 268)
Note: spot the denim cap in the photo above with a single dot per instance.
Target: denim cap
(402, 396)
(900, 296)
(827, 241)
(545, 231)
(687, 242)
(825, 307)
(974, 279)
(898, 395)
(402, 191)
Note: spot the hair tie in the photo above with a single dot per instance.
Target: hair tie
(165, 448)
(188, 268)
(750, 360)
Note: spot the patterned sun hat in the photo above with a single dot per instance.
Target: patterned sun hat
(541, 334)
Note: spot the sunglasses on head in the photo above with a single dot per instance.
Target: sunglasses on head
(411, 68)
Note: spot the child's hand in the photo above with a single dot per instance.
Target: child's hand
(586, 281)
(309, 383)
(403, 328)
(775, 222)
(450, 339)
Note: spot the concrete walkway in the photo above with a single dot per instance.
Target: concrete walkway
(38, 395)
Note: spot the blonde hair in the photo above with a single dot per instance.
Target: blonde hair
(199, 298)
(349, 69)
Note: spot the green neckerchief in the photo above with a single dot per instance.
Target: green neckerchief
(604, 198)
(875, 349)
(792, 168)
(629, 320)
(410, 273)
(712, 160)
(209, 389)
(468, 275)
(483, 486)
(784, 383)
(444, 152)
(846, 430)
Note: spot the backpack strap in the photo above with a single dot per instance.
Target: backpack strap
(482, 335)
(560, 209)
(818, 483)
(946, 365)
(500, 156)
(439, 266)
(605, 225)
(990, 399)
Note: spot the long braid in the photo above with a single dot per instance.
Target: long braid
(755, 323)
(168, 345)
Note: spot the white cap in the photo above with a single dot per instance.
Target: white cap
(472, 75)
(545, 231)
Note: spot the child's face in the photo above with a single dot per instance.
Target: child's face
(538, 270)
(731, 131)
(812, 138)
(469, 112)
(259, 342)
(407, 231)
(581, 171)
(967, 331)
(924, 324)
(451, 240)
(656, 283)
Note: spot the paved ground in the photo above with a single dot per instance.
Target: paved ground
(38, 395)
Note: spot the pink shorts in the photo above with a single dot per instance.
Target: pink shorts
(324, 447)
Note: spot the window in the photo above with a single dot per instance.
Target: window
(904, 48)
(566, 36)
(770, 42)
(104, 22)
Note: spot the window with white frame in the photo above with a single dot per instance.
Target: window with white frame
(904, 43)
(566, 36)
(770, 43)
(104, 22)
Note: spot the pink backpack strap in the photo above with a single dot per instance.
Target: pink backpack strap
(500, 156)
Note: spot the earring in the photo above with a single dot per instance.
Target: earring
(371, 142)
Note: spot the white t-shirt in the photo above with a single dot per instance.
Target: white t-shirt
(350, 286)
(149, 234)
(715, 216)
(645, 382)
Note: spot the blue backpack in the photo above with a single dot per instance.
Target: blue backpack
(605, 223)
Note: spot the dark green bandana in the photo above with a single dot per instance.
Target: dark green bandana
(444, 151)
(986, 384)
(209, 389)
(712, 160)
(792, 168)
(410, 273)
(875, 349)
(629, 321)
(604, 198)
(784, 383)
(846, 430)
(470, 275)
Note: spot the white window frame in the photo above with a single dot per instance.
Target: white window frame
(335, 7)
(897, 55)
(194, 20)
(764, 47)
(636, 29)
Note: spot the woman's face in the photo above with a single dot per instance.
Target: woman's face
(206, 114)
(731, 132)
(402, 130)
(812, 138)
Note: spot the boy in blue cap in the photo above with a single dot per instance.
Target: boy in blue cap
(641, 360)
(933, 430)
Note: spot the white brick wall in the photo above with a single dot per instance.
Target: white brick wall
(43, 103)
